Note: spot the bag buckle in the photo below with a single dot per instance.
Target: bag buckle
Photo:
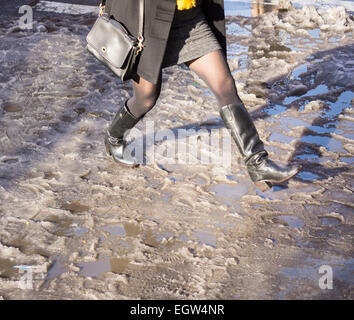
(101, 8)
(140, 44)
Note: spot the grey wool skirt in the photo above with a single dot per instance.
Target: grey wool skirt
(190, 37)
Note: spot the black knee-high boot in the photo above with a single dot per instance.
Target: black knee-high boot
(262, 170)
(115, 144)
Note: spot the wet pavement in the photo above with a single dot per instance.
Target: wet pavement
(177, 231)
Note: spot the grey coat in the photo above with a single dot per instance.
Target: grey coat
(157, 23)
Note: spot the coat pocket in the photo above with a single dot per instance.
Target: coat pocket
(160, 29)
(161, 24)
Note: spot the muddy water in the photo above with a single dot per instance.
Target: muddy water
(174, 230)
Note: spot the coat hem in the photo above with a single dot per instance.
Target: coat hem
(146, 76)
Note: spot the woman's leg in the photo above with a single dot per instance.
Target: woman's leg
(144, 97)
(214, 70)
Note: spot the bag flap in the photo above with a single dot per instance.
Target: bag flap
(111, 40)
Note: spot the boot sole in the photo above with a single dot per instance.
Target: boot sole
(265, 185)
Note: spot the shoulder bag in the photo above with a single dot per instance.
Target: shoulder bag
(111, 43)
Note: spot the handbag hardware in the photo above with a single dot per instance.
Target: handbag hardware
(101, 8)
(140, 44)
(111, 43)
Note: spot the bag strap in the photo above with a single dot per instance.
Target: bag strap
(141, 27)
(141, 15)
(141, 18)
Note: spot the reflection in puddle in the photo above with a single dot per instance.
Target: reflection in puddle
(276, 109)
(314, 33)
(331, 144)
(131, 229)
(183, 237)
(298, 71)
(289, 122)
(6, 268)
(94, 269)
(290, 221)
(276, 136)
(329, 221)
(75, 207)
(234, 28)
(199, 180)
(115, 230)
(74, 229)
(319, 129)
(308, 176)
(232, 192)
(343, 101)
(206, 238)
(66, 227)
(104, 264)
(307, 156)
(150, 239)
(119, 265)
(319, 140)
(237, 49)
(321, 89)
(58, 267)
(159, 240)
(347, 160)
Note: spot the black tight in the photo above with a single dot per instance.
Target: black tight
(212, 68)
(145, 96)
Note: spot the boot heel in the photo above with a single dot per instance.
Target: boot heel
(263, 185)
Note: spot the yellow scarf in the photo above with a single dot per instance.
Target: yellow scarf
(185, 4)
